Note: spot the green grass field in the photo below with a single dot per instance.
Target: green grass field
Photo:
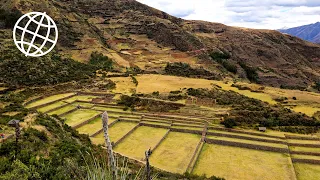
(52, 106)
(174, 153)
(248, 141)
(93, 126)
(79, 116)
(188, 128)
(62, 110)
(235, 163)
(139, 141)
(80, 98)
(49, 99)
(117, 131)
(307, 171)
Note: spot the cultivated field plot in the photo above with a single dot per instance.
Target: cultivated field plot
(140, 141)
(304, 149)
(82, 104)
(51, 106)
(239, 163)
(244, 135)
(175, 152)
(80, 98)
(117, 131)
(307, 171)
(62, 110)
(303, 141)
(79, 116)
(93, 126)
(49, 99)
(277, 145)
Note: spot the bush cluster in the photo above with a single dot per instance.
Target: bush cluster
(185, 70)
(101, 61)
(251, 72)
(222, 58)
(251, 112)
(9, 18)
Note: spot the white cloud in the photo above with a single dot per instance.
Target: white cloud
(267, 14)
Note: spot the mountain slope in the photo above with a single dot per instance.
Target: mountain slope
(133, 34)
(309, 32)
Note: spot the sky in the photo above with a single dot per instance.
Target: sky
(258, 14)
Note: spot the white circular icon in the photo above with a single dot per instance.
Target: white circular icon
(35, 34)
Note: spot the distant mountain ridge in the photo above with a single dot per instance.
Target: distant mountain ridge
(310, 32)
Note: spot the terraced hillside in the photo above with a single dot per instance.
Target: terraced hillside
(135, 35)
(194, 144)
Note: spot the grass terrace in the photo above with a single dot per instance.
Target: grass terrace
(117, 131)
(79, 116)
(51, 106)
(175, 152)
(80, 98)
(235, 163)
(139, 141)
(307, 171)
(248, 141)
(49, 99)
(62, 110)
(93, 126)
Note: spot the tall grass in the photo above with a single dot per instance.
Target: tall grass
(96, 168)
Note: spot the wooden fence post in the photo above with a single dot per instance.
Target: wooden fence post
(111, 160)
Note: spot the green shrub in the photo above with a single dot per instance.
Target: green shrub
(185, 70)
(101, 61)
(9, 17)
(251, 72)
(229, 122)
(218, 56)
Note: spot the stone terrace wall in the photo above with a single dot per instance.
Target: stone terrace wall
(302, 138)
(186, 131)
(126, 135)
(101, 130)
(49, 103)
(243, 132)
(248, 146)
(306, 153)
(157, 145)
(57, 108)
(86, 121)
(307, 161)
(246, 138)
(44, 96)
(195, 156)
(68, 112)
(305, 145)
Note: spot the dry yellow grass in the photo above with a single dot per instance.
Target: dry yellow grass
(237, 163)
(174, 153)
(308, 110)
(48, 99)
(79, 116)
(307, 171)
(149, 83)
(140, 141)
